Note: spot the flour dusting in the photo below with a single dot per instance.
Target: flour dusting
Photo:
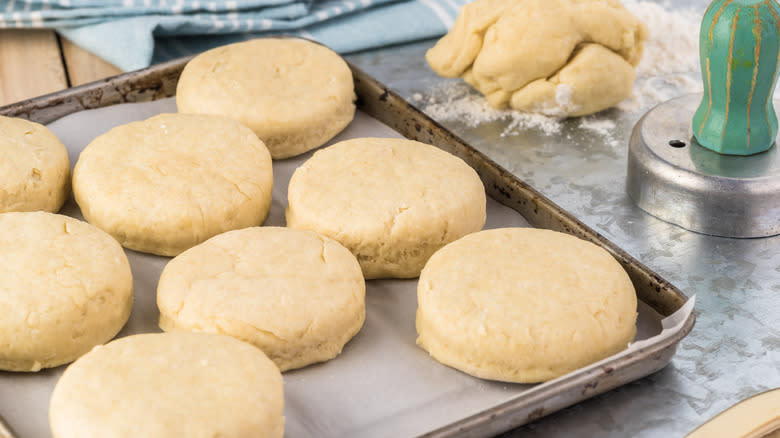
(673, 43)
(669, 68)
(458, 101)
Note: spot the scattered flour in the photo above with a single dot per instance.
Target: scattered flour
(600, 126)
(458, 101)
(669, 67)
(673, 43)
(597, 125)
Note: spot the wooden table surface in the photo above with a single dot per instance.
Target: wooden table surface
(36, 62)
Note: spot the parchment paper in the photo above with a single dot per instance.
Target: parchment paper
(382, 385)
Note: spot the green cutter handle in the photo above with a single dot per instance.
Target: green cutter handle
(739, 46)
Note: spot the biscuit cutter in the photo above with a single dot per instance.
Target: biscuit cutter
(709, 163)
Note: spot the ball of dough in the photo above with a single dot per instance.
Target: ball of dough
(34, 167)
(555, 57)
(392, 202)
(162, 385)
(294, 294)
(65, 286)
(295, 94)
(172, 181)
(523, 305)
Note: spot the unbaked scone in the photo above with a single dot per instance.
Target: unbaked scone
(65, 286)
(555, 57)
(167, 183)
(295, 94)
(294, 294)
(165, 385)
(392, 202)
(34, 167)
(523, 305)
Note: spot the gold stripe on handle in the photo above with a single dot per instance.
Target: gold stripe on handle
(715, 20)
(711, 41)
(755, 71)
(769, 4)
(709, 95)
(729, 61)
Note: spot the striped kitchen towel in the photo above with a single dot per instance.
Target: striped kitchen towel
(131, 33)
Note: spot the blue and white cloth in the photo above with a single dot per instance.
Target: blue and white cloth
(131, 34)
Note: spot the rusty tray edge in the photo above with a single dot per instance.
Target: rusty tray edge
(159, 81)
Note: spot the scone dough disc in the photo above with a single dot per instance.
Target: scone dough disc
(294, 294)
(295, 94)
(523, 305)
(65, 286)
(392, 202)
(162, 385)
(167, 183)
(34, 167)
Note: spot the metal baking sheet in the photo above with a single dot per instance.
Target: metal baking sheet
(438, 401)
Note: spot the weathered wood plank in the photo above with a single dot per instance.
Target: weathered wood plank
(83, 66)
(30, 64)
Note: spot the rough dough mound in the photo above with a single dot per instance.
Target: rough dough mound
(555, 57)
(523, 305)
(65, 286)
(294, 294)
(164, 385)
(392, 202)
(172, 181)
(295, 94)
(34, 167)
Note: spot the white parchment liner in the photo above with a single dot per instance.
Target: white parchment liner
(382, 385)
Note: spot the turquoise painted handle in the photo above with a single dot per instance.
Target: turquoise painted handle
(738, 45)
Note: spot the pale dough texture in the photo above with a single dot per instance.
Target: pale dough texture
(165, 385)
(523, 305)
(392, 202)
(294, 294)
(555, 57)
(295, 94)
(167, 183)
(65, 286)
(34, 167)
(754, 417)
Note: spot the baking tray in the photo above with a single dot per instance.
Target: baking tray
(382, 104)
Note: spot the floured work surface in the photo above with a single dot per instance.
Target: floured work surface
(381, 385)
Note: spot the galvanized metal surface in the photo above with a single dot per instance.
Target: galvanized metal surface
(391, 109)
(734, 350)
(696, 188)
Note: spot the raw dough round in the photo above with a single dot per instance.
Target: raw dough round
(392, 202)
(555, 57)
(523, 305)
(295, 94)
(34, 167)
(162, 385)
(294, 294)
(65, 286)
(172, 181)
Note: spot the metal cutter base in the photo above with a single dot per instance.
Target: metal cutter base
(696, 188)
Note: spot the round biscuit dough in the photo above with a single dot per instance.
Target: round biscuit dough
(523, 305)
(294, 294)
(162, 385)
(167, 183)
(392, 202)
(34, 167)
(65, 286)
(295, 94)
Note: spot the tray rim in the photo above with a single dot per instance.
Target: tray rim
(159, 80)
